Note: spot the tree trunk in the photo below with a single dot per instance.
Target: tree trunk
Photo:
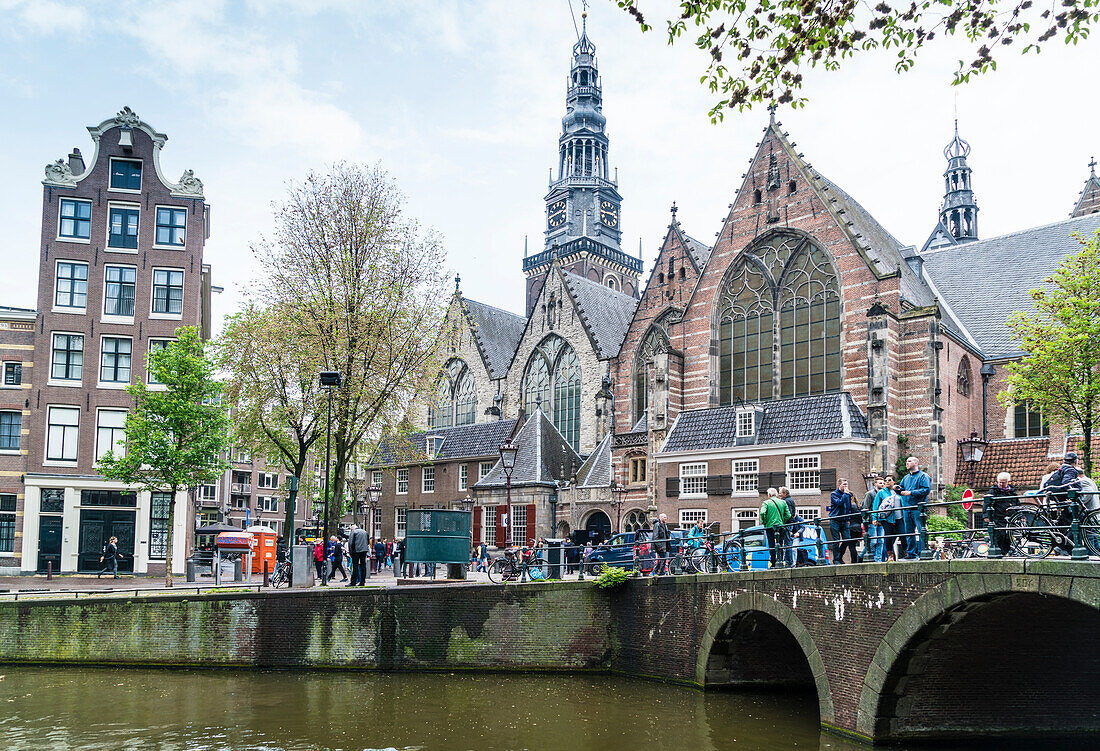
(1086, 450)
(288, 516)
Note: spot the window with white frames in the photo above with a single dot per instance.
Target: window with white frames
(688, 517)
(483, 470)
(427, 484)
(208, 492)
(463, 477)
(62, 428)
(519, 525)
(267, 503)
(376, 478)
(168, 291)
(154, 344)
(110, 432)
(489, 524)
(71, 285)
(170, 226)
(398, 522)
(809, 513)
(13, 373)
(693, 479)
(804, 472)
(74, 220)
(122, 227)
(746, 428)
(241, 456)
(403, 481)
(743, 518)
(68, 357)
(114, 364)
(119, 291)
(125, 174)
(376, 527)
(267, 480)
(745, 478)
(11, 429)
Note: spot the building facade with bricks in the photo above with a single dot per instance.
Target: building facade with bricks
(16, 363)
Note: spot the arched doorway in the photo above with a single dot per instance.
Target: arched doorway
(1013, 664)
(597, 526)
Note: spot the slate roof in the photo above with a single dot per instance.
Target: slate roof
(700, 252)
(1017, 262)
(1023, 458)
(596, 470)
(544, 456)
(498, 333)
(606, 313)
(465, 441)
(808, 418)
(642, 425)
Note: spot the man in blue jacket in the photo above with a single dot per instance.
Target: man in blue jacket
(914, 489)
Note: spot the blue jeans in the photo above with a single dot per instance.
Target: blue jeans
(911, 523)
(878, 543)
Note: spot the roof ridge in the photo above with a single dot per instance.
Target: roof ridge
(492, 307)
(1013, 234)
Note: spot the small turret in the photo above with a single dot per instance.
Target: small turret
(959, 211)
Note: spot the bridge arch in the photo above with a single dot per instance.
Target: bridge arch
(749, 622)
(986, 655)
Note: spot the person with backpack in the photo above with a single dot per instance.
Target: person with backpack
(110, 557)
(874, 529)
(773, 515)
(888, 513)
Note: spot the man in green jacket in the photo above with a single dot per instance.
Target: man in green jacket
(773, 515)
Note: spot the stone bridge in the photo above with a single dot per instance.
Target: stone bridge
(932, 649)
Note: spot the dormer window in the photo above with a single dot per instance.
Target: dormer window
(434, 445)
(746, 424)
(125, 174)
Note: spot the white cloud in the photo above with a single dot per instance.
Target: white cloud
(48, 16)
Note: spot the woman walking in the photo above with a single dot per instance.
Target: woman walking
(110, 557)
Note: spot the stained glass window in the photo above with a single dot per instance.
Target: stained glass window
(554, 371)
(455, 398)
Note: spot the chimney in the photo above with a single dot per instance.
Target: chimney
(76, 162)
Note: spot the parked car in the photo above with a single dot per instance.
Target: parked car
(756, 547)
(626, 549)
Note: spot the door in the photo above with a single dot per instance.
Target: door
(97, 526)
(49, 542)
(598, 527)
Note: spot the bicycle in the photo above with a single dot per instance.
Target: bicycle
(706, 559)
(1035, 529)
(281, 575)
(514, 564)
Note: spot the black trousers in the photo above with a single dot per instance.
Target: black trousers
(338, 565)
(110, 565)
(773, 543)
(358, 568)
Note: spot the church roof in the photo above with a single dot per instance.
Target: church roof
(824, 417)
(700, 252)
(497, 332)
(1089, 202)
(596, 470)
(605, 312)
(463, 441)
(543, 458)
(964, 276)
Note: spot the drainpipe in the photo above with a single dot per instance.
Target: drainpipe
(987, 372)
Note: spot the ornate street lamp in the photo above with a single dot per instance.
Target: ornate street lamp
(973, 448)
(618, 497)
(374, 496)
(508, 452)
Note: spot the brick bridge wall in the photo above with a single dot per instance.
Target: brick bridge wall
(916, 650)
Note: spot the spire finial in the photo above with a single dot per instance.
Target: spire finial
(1092, 166)
(674, 211)
(771, 113)
(457, 280)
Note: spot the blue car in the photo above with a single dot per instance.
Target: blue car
(757, 552)
(629, 550)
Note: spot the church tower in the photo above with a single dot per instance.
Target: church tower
(583, 203)
(959, 211)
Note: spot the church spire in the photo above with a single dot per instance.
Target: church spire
(959, 211)
(1089, 202)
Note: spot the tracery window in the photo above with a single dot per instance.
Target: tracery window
(783, 291)
(455, 397)
(554, 371)
(656, 340)
(962, 381)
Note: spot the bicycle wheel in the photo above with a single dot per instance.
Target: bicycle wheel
(731, 557)
(698, 560)
(498, 570)
(1090, 531)
(1030, 534)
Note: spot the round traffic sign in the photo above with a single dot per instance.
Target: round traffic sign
(968, 499)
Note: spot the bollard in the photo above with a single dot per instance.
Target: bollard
(580, 568)
(1079, 553)
(925, 551)
(190, 569)
(744, 553)
(238, 570)
(995, 551)
(267, 575)
(49, 571)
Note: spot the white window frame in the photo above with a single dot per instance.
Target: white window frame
(427, 480)
(115, 384)
(111, 169)
(803, 464)
(809, 513)
(376, 478)
(4, 374)
(106, 317)
(739, 517)
(463, 476)
(156, 226)
(57, 277)
(694, 473)
(746, 477)
(161, 316)
(66, 439)
(101, 449)
(149, 348)
(19, 435)
(688, 517)
(66, 238)
(746, 423)
(213, 495)
(519, 531)
(483, 470)
(376, 526)
(267, 503)
(263, 477)
(489, 525)
(403, 481)
(127, 206)
(70, 382)
(400, 519)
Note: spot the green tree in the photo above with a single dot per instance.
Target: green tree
(271, 392)
(756, 50)
(1061, 373)
(177, 432)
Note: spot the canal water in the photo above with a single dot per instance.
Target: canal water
(93, 709)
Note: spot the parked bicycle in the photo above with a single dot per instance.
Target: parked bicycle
(282, 574)
(514, 563)
(1034, 530)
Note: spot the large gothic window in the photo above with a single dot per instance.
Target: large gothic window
(655, 340)
(783, 291)
(455, 397)
(552, 381)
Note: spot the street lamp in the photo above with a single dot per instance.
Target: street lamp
(508, 453)
(330, 379)
(973, 448)
(987, 372)
(374, 495)
(618, 497)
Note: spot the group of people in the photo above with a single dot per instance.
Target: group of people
(357, 547)
(787, 532)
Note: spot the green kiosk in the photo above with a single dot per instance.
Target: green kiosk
(434, 535)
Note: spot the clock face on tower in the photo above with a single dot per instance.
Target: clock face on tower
(556, 213)
(609, 214)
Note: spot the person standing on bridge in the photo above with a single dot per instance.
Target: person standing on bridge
(888, 517)
(995, 504)
(874, 529)
(358, 546)
(773, 515)
(842, 511)
(661, 545)
(914, 489)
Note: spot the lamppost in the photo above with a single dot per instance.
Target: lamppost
(373, 493)
(972, 450)
(508, 453)
(987, 372)
(618, 497)
(330, 379)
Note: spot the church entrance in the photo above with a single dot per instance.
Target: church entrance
(598, 527)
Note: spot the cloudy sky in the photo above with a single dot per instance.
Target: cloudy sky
(461, 102)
